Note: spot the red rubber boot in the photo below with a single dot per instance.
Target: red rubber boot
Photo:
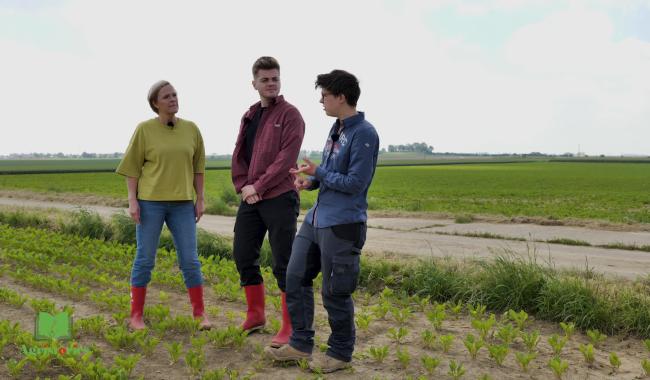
(138, 294)
(198, 309)
(282, 337)
(255, 319)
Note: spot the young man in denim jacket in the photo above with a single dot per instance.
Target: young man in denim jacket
(334, 230)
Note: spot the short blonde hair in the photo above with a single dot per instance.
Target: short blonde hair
(153, 93)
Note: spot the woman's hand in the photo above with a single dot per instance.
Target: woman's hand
(134, 210)
(199, 209)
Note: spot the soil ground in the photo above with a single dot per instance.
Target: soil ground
(248, 359)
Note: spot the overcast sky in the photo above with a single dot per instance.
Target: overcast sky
(463, 76)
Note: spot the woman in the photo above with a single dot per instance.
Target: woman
(164, 166)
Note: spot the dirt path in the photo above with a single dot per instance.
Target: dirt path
(430, 237)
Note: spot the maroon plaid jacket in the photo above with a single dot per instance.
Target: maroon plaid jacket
(277, 146)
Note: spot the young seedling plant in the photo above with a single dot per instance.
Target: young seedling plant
(476, 311)
(422, 302)
(519, 318)
(596, 337)
(147, 344)
(473, 345)
(437, 315)
(498, 352)
(378, 353)
(175, 350)
(558, 366)
(195, 360)
(456, 308)
(614, 361)
(430, 363)
(401, 315)
(127, 363)
(446, 341)
(524, 359)
(557, 343)
(404, 357)
(16, 367)
(531, 340)
(456, 370)
(483, 326)
(507, 334)
(429, 339)
(397, 335)
(587, 352)
(363, 321)
(380, 310)
(568, 328)
(645, 364)
(163, 296)
(92, 325)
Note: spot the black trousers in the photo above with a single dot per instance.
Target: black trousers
(278, 216)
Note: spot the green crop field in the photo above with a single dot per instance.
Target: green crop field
(616, 192)
(607, 191)
(105, 165)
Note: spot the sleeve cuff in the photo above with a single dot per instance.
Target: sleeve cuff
(320, 173)
(259, 188)
(127, 173)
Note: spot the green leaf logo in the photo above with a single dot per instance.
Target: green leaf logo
(50, 326)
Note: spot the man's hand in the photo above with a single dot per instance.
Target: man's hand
(134, 210)
(253, 199)
(249, 194)
(308, 168)
(302, 183)
(199, 209)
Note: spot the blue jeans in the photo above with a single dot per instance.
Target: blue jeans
(335, 250)
(180, 219)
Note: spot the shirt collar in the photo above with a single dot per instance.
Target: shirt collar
(351, 121)
(251, 111)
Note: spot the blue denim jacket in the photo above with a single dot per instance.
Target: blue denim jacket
(345, 173)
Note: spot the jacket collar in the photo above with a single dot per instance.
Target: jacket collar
(252, 109)
(350, 122)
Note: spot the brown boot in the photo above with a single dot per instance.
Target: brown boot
(285, 353)
(328, 364)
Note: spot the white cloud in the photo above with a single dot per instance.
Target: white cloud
(550, 80)
(596, 86)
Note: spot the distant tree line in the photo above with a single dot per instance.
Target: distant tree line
(34, 155)
(415, 147)
(421, 148)
(86, 155)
